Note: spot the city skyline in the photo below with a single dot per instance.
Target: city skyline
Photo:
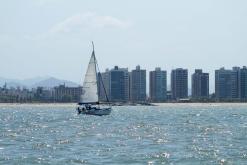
(122, 85)
(50, 81)
(36, 41)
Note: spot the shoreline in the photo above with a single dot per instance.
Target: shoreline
(131, 105)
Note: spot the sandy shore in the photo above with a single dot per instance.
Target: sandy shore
(40, 104)
(201, 104)
(157, 104)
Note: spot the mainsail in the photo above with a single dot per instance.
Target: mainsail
(90, 86)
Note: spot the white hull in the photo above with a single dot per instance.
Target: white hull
(94, 111)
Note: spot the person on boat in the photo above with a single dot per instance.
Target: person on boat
(79, 110)
(88, 107)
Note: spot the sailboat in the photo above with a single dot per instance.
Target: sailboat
(89, 103)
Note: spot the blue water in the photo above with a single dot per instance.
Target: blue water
(168, 134)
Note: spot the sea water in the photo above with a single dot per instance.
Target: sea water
(165, 134)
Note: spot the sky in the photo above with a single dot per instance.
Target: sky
(53, 37)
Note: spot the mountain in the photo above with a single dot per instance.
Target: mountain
(32, 81)
(52, 82)
(48, 82)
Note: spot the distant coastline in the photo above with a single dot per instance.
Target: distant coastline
(127, 104)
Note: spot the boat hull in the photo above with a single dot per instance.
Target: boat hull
(94, 111)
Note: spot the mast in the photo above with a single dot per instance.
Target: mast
(93, 53)
(93, 46)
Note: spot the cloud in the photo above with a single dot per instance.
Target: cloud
(81, 22)
(88, 20)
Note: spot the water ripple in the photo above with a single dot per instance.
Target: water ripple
(170, 134)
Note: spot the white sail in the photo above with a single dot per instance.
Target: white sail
(90, 86)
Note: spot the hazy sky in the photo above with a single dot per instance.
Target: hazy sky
(53, 37)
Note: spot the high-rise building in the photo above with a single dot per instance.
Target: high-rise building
(243, 83)
(157, 85)
(223, 84)
(227, 83)
(119, 84)
(138, 85)
(235, 82)
(200, 84)
(179, 83)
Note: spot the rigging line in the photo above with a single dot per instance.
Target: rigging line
(100, 77)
